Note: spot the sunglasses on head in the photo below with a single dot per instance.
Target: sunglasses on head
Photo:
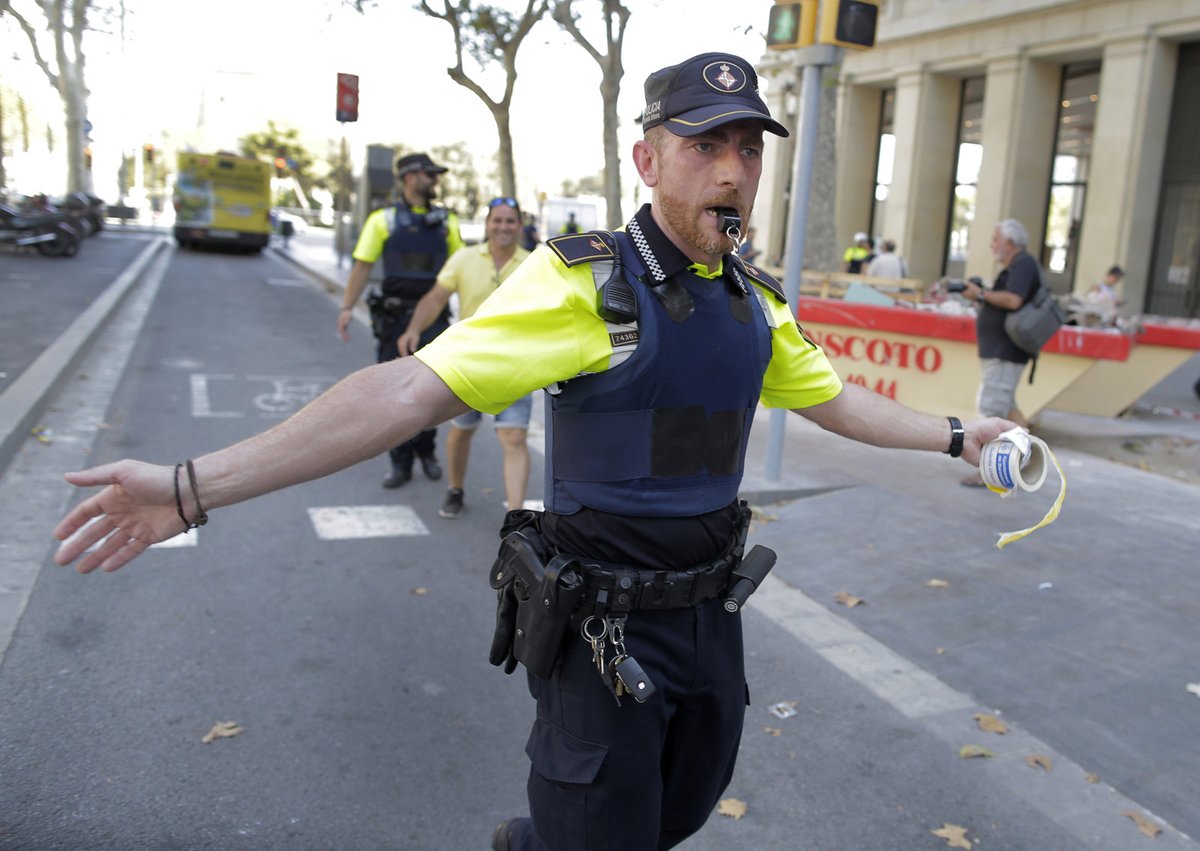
(504, 202)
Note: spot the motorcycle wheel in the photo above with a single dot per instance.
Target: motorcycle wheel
(65, 244)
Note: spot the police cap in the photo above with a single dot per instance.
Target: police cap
(417, 162)
(704, 92)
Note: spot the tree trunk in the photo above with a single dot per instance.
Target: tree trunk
(504, 156)
(610, 88)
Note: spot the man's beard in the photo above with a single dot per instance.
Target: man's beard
(687, 229)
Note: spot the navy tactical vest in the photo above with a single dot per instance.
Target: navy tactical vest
(664, 433)
(414, 252)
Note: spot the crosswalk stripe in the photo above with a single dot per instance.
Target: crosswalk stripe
(342, 522)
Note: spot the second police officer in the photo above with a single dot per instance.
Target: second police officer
(415, 238)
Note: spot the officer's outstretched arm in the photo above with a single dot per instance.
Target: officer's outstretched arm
(359, 417)
(866, 416)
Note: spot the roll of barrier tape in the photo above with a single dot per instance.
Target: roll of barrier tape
(1016, 460)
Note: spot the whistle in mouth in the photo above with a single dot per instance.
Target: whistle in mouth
(728, 219)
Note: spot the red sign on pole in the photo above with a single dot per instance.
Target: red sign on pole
(347, 97)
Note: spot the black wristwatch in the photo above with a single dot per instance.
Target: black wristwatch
(957, 434)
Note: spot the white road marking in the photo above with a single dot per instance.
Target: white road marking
(201, 403)
(286, 282)
(342, 522)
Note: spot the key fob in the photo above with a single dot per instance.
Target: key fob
(634, 678)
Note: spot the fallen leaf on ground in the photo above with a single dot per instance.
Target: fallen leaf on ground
(937, 583)
(732, 807)
(222, 730)
(1145, 826)
(990, 723)
(774, 731)
(420, 592)
(1092, 778)
(1038, 761)
(847, 599)
(955, 836)
(973, 751)
(939, 651)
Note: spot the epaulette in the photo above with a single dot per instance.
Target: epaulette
(760, 277)
(576, 248)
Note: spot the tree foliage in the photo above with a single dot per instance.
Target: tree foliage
(63, 62)
(616, 18)
(277, 141)
(490, 35)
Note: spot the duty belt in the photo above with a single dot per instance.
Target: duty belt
(626, 589)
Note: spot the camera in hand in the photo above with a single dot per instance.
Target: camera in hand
(955, 286)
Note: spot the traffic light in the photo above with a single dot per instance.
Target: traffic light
(280, 166)
(792, 25)
(849, 23)
(347, 97)
(148, 153)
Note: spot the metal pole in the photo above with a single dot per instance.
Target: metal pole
(806, 143)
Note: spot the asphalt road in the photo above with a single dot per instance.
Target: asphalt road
(356, 664)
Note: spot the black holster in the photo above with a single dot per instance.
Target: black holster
(535, 599)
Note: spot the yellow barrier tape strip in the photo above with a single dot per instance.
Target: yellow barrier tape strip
(1051, 515)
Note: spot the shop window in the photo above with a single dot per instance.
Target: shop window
(884, 161)
(966, 175)
(1069, 175)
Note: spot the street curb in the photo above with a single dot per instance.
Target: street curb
(21, 404)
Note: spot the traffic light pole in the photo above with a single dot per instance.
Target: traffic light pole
(812, 60)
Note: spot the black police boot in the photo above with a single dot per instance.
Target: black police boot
(433, 470)
(397, 477)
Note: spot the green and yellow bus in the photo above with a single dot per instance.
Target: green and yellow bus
(222, 199)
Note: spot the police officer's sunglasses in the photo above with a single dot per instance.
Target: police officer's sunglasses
(504, 202)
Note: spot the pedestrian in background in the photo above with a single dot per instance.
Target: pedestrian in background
(571, 225)
(529, 233)
(857, 255)
(474, 273)
(657, 345)
(887, 263)
(415, 238)
(1001, 361)
(746, 250)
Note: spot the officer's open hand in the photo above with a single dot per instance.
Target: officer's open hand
(343, 325)
(408, 342)
(135, 510)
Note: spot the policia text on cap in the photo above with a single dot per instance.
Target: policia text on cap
(655, 345)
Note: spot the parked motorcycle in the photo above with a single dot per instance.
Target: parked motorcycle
(86, 212)
(49, 231)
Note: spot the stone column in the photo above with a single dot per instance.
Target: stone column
(1121, 206)
(926, 118)
(858, 151)
(1020, 108)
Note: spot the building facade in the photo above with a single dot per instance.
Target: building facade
(1080, 118)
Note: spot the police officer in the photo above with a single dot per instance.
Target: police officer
(415, 238)
(656, 344)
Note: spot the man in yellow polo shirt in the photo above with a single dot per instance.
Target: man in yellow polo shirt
(474, 273)
(414, 237)
(655, 345)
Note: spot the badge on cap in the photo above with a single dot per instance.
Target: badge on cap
(725, 78)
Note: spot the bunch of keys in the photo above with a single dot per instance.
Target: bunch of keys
(622, 674)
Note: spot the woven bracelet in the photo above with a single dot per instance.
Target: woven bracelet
(201, 514)
(187, 527)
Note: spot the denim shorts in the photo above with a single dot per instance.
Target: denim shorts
(515, 415)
